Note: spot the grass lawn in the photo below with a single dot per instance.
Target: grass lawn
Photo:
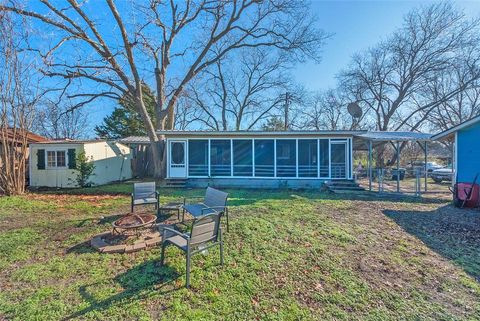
(289, 256)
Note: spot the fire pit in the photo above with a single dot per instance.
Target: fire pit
(130, 233)
(133, 222)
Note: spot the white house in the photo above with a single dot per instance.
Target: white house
(53, 162)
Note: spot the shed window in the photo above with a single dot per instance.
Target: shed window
(307, 158)
(220, 157)
(286, 158)
(264, 158)
(242, 157)
(56, 158)
(198, 157)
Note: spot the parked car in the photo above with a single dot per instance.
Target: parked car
(431, 166)
(442, 174)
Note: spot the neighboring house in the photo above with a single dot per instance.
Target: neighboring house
(259, 158)
(17, 138)
(53, 162)
(466, 138)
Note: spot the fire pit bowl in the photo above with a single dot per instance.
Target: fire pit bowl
(133, 222)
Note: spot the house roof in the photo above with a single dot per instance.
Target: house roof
(18, 136)
(135, 140)
(394, 136)
(258, 133)
(456, 128)
(72, 141)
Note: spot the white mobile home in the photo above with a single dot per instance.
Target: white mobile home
(53, 162)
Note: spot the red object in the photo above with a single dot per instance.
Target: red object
(461, 193)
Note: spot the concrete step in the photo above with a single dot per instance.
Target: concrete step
(337, 188)
(176, 183)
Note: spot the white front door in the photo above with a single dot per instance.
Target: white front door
(338, 158)
(177, 159)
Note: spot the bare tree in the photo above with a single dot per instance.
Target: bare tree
(463, 106)
(328, 111)
(61, 121)
(167, 43)
(17, 105)
(390, 79)
(241, 91)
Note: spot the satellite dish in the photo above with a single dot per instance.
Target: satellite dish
(354, 110)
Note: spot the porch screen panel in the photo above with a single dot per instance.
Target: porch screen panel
(198, 158)
(324, 158)
(286, 158)
(242, 157)
(307, 158)
(220, 157)
(264, 158)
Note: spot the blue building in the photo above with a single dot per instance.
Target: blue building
(466, 143)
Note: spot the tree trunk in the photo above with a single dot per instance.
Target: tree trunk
(155, 143)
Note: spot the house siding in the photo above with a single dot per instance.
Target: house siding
(468, 153)
(112, 163)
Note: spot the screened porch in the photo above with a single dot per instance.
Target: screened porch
(260, 157)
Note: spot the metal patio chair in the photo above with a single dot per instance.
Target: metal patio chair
(145, 193)
(204, 234)
(215, 201)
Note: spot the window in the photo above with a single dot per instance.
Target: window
(56, 158)
(178, 153)
(220, 158)
(264, 158)
(286, 158)
(307, 158)
(61, 159)
(324, 158)
(242, 157)
(198, 157)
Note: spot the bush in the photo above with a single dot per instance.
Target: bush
(85, 167)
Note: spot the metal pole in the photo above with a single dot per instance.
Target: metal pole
(426, 173)
(287, 102)
(398, 168)
(370, 165)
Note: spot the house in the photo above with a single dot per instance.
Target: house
(466, 139)
(53, 162)
(259, 158)
(16, 138)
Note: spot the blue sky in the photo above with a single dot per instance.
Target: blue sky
(356, 25)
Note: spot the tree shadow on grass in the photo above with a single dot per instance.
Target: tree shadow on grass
(137, 284)
(453, 233)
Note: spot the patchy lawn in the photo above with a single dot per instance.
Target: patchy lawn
(289, 256)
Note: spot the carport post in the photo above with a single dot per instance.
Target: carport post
(398, 167)
(426, 173)
(370, 165)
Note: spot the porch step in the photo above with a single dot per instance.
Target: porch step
(176, 182)
(338, 186)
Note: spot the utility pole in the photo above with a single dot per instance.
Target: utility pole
(287, 102)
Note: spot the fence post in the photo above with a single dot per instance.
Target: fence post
(417, 182)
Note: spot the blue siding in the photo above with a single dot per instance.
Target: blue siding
(468, 153)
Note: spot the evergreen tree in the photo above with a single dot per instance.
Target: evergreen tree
(125, 120)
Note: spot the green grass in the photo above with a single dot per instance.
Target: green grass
(289, 256)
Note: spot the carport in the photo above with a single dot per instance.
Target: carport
(369, 140)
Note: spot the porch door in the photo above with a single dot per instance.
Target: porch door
(177, 159)
(339, 159)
